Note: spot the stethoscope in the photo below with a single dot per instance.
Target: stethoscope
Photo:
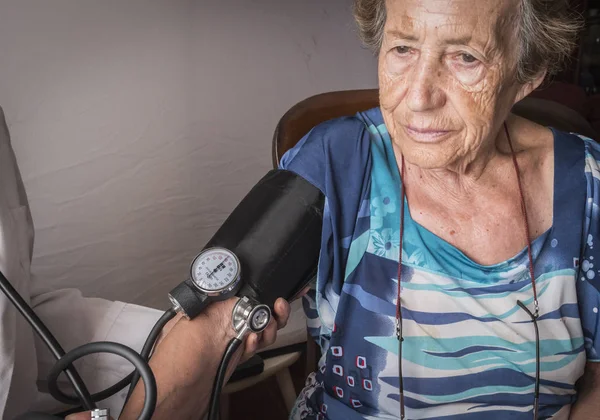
(215, 271)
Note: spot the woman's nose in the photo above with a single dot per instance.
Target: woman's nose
(425, 92)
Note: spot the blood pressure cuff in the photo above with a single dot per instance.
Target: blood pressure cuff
(275, 231)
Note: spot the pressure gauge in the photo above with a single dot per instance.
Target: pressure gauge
(215, 275)
(215, 271)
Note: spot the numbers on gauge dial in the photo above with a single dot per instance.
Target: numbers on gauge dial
(215, 269)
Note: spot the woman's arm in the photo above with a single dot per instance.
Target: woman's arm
(588, 404)
(186, 361)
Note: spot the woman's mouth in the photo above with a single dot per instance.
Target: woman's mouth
(425, 135)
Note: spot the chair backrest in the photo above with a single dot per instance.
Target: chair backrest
(305, 115)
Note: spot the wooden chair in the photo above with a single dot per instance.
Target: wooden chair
(303, 116)
(277, 366)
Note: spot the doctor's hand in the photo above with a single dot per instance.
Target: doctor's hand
(254, 342)
(187, 355)
(221, 311)
(186, 359)
(267, 337)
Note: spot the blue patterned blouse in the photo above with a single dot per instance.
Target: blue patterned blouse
(469, 350)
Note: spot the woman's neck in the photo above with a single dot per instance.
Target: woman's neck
(464, 176)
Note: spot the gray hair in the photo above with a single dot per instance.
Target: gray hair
(547, 31)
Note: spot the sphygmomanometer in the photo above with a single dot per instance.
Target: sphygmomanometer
(267, 248)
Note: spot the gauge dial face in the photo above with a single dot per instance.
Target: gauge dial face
(215, 269)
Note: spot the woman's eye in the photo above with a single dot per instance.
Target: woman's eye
(402, 49)
(468, 58)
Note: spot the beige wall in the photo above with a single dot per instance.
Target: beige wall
(139, 124)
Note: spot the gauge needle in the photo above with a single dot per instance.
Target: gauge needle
(215, 270)
(217, 267)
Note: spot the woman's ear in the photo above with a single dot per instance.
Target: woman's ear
(527, 88)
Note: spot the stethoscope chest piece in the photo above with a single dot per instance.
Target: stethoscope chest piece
(249, 316)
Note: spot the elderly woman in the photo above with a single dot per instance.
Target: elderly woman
(459, 271)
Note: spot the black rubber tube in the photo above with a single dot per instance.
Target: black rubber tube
(83, 396)
(149, 346)
(128, 380)
(213, 413)
(115, 348)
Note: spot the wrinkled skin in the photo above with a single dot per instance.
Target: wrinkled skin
(447, 84)
(448, 66)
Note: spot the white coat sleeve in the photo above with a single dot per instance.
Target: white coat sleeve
(77, 320)
(72, 318)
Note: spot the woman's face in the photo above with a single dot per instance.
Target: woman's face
(446, 76)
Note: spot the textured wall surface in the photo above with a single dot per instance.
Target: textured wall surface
(140, 124)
